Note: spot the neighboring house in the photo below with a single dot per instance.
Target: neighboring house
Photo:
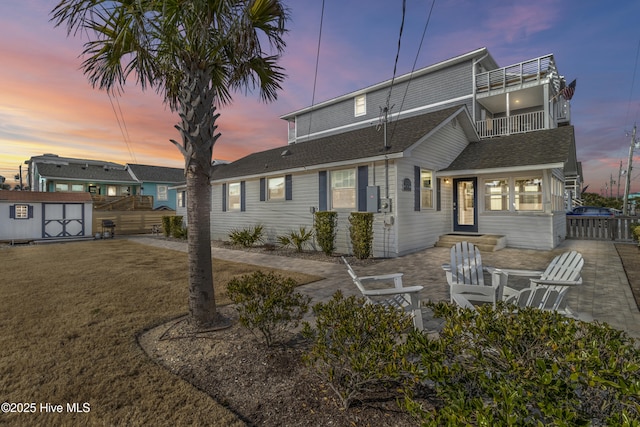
(52, 173)
(27, 215)
(159, 182)
(466, 147)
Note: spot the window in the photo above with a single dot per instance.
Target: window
(77, 187)
(557, 194)
(20, 211)
(528, 194)
(62, 187)
(181, 199)
(162, 192)
(360, 105)
(496, 195)
(426, 189)
(112, 190)
(343, 189)
(234, 196)
(275, 188)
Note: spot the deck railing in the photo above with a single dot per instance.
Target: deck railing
(533, 70)
(600, 228)
(519, 123)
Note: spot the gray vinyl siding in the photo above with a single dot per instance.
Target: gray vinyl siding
(421, 229)
(277, 216)
(433, 88)
(527, 230)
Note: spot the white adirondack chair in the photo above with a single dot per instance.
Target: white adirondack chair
(548, 288)
(465, 275)
(405, 298)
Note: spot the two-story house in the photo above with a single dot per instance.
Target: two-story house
(459, 146)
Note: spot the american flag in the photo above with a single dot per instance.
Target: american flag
(568, 91)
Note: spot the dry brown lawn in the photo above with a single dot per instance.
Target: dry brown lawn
(71, 314)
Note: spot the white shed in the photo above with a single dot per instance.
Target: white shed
(27, 215)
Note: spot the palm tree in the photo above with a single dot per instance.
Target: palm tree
(195, 53)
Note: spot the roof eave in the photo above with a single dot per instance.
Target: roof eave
(526, 168)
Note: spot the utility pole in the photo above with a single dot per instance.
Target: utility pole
(625, 202)
(619, 177)
(611, 182)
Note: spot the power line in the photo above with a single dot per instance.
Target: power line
(315, 77)
(395, 65)
(123, 126)
(415, 61)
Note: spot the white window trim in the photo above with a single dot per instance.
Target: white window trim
(269, 197)
(162, 192)
(540, 193)
(354, 189)
(431, 188)
(357, 113)
(509, 194)
(21, 211)
(239, 196)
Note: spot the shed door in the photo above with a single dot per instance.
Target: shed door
(465, 215)
(62, 220)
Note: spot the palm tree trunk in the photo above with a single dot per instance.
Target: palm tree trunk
(198, 136)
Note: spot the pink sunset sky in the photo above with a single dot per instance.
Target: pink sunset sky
(48, 106)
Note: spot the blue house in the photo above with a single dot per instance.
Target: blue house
(157, 181)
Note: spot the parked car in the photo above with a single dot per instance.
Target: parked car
(591, 211)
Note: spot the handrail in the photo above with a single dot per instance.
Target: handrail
(515, 75)
(519, 123)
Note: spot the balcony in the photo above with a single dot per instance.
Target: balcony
(518, 76)
(519, 123)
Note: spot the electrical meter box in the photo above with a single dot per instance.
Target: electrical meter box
(385, 205)
(373, 198)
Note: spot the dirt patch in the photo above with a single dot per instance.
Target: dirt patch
(266, 387)
(630, 257)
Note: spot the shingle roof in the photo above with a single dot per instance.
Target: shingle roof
(354, 145)
(528, 149)
(84, 172)
(35, 196)
(147, 173)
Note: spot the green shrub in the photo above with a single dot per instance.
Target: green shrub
(326, 226)
(268, 304)
(533, 367)
(247, 237)
(635, 231)
(175, 225)
(361, 232)
(355, 346)
(297, 239)
(166, 226)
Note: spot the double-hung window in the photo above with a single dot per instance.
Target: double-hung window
(360, 105)
(343, 189)
(162, 191)
(426, 189)
(528, 194)
(234, 196)
(275, 188)
(496, 195)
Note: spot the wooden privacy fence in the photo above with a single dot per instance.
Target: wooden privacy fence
(130, 222)
(600, 228)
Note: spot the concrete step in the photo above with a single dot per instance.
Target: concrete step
(484, 242)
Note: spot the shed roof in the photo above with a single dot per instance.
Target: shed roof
(38, 196)
(539, 148)
(354, 145)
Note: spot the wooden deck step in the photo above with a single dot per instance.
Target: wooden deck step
(484, 242)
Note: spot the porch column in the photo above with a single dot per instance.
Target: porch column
(508, 113)
(545, 96)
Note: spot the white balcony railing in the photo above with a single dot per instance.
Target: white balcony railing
(519, 123)
(533, 70)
